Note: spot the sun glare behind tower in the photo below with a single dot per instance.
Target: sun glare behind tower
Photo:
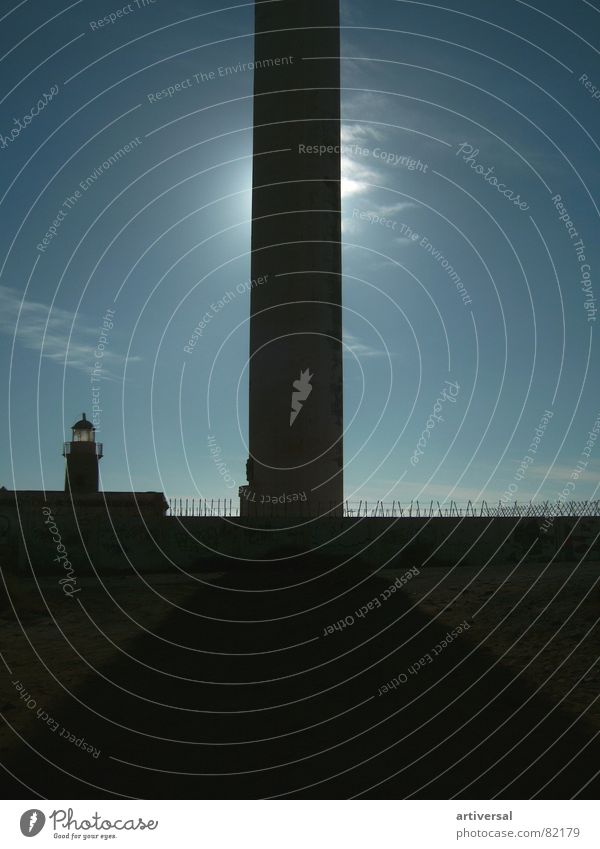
(295, 366)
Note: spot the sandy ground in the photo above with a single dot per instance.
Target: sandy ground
(537, 621)
(117, 622)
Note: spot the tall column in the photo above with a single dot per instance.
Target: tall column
(295, 369)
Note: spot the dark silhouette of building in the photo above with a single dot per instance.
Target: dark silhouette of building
(82, 454)
(95, 527)
(295, 368)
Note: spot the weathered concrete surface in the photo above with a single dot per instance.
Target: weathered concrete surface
(296, 322)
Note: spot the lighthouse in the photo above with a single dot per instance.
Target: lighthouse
(82, 454)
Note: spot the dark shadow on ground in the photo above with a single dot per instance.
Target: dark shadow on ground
(260, 705)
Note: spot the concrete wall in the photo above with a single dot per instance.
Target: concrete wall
(61, 541)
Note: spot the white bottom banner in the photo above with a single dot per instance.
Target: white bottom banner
(298, 824)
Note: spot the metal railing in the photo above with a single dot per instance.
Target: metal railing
(203, 506)
(73, 448)
(230, 507)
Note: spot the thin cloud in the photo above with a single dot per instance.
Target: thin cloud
(38, 329)
(351, 223)
(561, 473)
(358, 177)
(353, 346)
(358, 133)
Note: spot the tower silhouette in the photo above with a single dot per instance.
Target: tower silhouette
(295, 367)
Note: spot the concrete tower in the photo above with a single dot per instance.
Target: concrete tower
(82, 454)
(295, 368)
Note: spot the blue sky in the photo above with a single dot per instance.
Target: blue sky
(475, 92)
